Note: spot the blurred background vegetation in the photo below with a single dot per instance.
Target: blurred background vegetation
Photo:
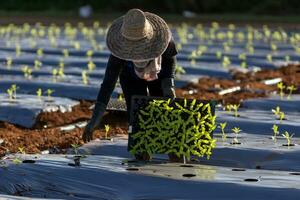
(266, 7)
(235, 10)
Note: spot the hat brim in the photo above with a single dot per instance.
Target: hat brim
(142, 49)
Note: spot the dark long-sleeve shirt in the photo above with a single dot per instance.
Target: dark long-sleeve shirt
(115, 66)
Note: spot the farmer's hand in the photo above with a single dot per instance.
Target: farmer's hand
(167, 86)
(94, 122)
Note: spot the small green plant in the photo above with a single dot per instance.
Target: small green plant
(179, 70)
(224, 135)
(91, 65)
(12, 92)
(235, 107)
(226, 61)
(9, 62)
(278, 113)
(236, 131)
(291, 88)
(275, 132)
(269, 58)
(65, 53)
(37, 64)
(288, 138)
(84, 77)
(40, 52)
(49, 93)
(228, 108)
(26, 71)
(281, 87)
(75, 147)
(107, 128)
(89, 54)
(39, 93)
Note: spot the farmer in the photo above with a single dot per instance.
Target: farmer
(142, 57)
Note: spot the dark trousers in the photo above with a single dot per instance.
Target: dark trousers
(131, 85)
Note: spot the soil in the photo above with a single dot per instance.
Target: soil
(250, 83)
(46, 133)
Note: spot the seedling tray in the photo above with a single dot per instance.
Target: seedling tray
(116, 105)
(139, 102)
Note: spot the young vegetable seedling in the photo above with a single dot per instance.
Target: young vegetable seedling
(49, 92)
(279, 114)
(84, 77)
(107, 128)
(276, 132)
(39, 93)
(222, 126)
(288, 138)
(281, 87)
(236, 131)
(235, 107)
(291, 88)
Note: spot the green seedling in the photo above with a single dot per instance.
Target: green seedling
(84, 77)
(89, 54)
(49, 93)
(179, 70)
(37, 64)
(269, 58)
(224, 135)
(39, 93)
(235, 107)
(228, 108)
(54, 74)
(18, 50)
(61, 73)
(91, 65)
(275, 132)
(18, 160)
(281, 87)
(12, 92)
(219, 54)
(120, 97)
(288, 138)
(9, 62)
(75, 148)
(287, 58)
(26, 71)
(40, 52)
(107, 128)
(291, 88)
(65, 53)
(236, 131)
(278, 113)
(226, 61)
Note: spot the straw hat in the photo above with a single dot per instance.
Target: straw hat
(138, 35)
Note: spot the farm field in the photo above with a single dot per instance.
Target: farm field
(49, 81)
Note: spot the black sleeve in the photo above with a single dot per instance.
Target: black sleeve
(111, 76)
(169, 61)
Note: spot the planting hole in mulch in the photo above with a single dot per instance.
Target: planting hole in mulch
(186, 166)
(28, 161)
(295, 173)
(132, 169)
(288, 145)
(235, 143)
(238, 169)
(188, 175)
(73, 165)
(251, 180)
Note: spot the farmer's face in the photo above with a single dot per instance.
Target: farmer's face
(149, 69)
